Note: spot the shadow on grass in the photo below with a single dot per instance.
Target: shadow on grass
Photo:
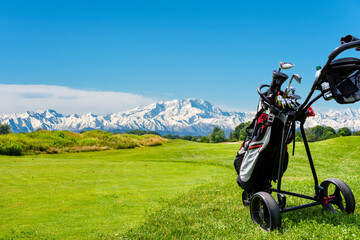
(318, 215)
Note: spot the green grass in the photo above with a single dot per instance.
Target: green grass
(180, 190)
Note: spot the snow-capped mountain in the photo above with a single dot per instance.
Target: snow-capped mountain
(189, 116)
(336, 119)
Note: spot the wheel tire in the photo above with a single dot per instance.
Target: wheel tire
(245, 198)
(343, 195)
(264, 211)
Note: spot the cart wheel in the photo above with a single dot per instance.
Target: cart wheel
(264, 211)
(337, 190)
(245, 198)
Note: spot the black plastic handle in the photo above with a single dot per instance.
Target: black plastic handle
(344, 47)
(347, 42)
(262, 95)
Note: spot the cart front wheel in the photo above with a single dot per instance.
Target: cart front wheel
(338, 197)
(264, 211)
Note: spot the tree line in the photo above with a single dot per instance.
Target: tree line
(317, 133)
(313, 134)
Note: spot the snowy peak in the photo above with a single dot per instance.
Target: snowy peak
(336, 119)
(188, 116)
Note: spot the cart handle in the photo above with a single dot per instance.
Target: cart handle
(353, 43)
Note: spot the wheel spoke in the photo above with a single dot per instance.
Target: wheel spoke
(338, 199)
(337, 192)
(267, 221)
(257, 212)
(340, 205)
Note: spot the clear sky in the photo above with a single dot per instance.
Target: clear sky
(115, 55)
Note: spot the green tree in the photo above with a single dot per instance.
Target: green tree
(327, 135)
(357, 133)
(230, 136)
(217, 135)
(240, 131)
(317, 131)
(5, 129)
(142, 132)
(187, 137)
(329, 129)
(328, 132)
(344, 131)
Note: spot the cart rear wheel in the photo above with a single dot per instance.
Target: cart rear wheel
(264, 211)
(339, 196)
(245, 198)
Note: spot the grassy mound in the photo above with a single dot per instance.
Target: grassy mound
(65, 141)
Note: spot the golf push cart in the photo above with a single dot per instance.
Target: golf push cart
(263, 157)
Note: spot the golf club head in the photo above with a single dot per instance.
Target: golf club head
(292, 89)
(297, 78)
(286, 65)
(288, 103)
(279, 101)
(294, 96)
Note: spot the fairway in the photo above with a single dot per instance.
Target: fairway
(179, 190)
(90, 195)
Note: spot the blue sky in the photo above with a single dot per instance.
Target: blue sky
(162, 50)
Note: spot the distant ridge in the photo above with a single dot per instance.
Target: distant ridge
(188, 116)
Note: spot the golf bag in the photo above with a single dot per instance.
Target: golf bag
(256, 162)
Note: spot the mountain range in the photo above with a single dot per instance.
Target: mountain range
(183, 117)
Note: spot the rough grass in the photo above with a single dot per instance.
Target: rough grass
(65, 141)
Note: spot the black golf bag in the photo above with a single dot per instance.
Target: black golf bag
(256, 162)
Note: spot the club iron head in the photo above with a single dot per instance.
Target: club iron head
(295, 96)
(297, 78)
(286, 65)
